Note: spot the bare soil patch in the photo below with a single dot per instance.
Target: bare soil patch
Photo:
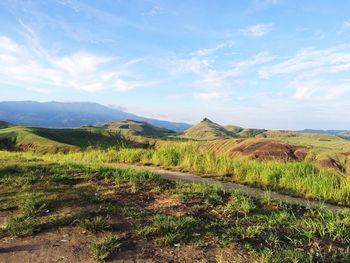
(263, 150)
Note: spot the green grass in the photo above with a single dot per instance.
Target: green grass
(170, 230)
(296, 178)
(207, 130)
(95, 224)
(45, 140)
(203, 215)
(35, 189)
(138, 128)
(103, 249)
(276, 232)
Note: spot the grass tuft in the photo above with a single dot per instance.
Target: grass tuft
(105, 248)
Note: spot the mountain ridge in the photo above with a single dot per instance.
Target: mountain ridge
(72, 115)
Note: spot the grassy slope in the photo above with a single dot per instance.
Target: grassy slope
(249, 132)
(4, 124)
(297, 178)
(138, 128)
(55, 140)
(344, 135)
(320, 145)
(207, 130)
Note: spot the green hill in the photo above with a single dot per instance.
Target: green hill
(207, 130)
(58, 140)
(4, 124)
(139, 128)
(233, 128)
(344, 135)
(250, 132)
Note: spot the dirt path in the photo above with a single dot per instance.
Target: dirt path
(252, 191)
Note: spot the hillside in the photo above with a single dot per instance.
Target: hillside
(207, 130)
(138, 128)
(243, 132)
(71, 115)
(4, 124)
(332, 132)
(58, 140)
(344, 135)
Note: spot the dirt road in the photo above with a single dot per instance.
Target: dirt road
(252, 191)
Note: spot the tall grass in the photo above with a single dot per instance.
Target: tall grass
(297, 178)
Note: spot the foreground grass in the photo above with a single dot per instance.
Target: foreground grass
(276, 232)
(103, 249)
(296, 178)
(201, 216)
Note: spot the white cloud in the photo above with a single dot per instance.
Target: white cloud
(211, 82)
(260, 58)
(258, 30)
(311, 61)
(208, 96)
(210, 51)
(190, 65)
(155, 10)
(316, 74)
(347, 24)
(30, 66)
(321, 89)
(123, 85)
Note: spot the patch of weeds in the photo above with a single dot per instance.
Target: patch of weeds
(132, 212)
(19, 226)
(105, 248)
(170, 229)
(284, 255)
(156, 189)
(209, 194)
(266, 198)
(239, 202)
(95, 224)
(29, 205)
(25, 224)
(133, 176)
(133, 187)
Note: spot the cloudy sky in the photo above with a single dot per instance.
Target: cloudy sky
(277, 64)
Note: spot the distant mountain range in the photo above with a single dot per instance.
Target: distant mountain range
(70, 115)
(208, 130)
(4, 124)
(333, 132)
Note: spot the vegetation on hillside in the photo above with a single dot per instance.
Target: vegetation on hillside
(344, 135)
(44, 140)
(138, 128)
(4, 124)
(207, 130)
(296, 178)
(160, 215)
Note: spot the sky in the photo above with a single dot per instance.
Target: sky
(275, 64)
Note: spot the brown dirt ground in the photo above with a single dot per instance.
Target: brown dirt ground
(331, 163)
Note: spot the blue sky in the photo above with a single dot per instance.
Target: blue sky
(277, 64)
